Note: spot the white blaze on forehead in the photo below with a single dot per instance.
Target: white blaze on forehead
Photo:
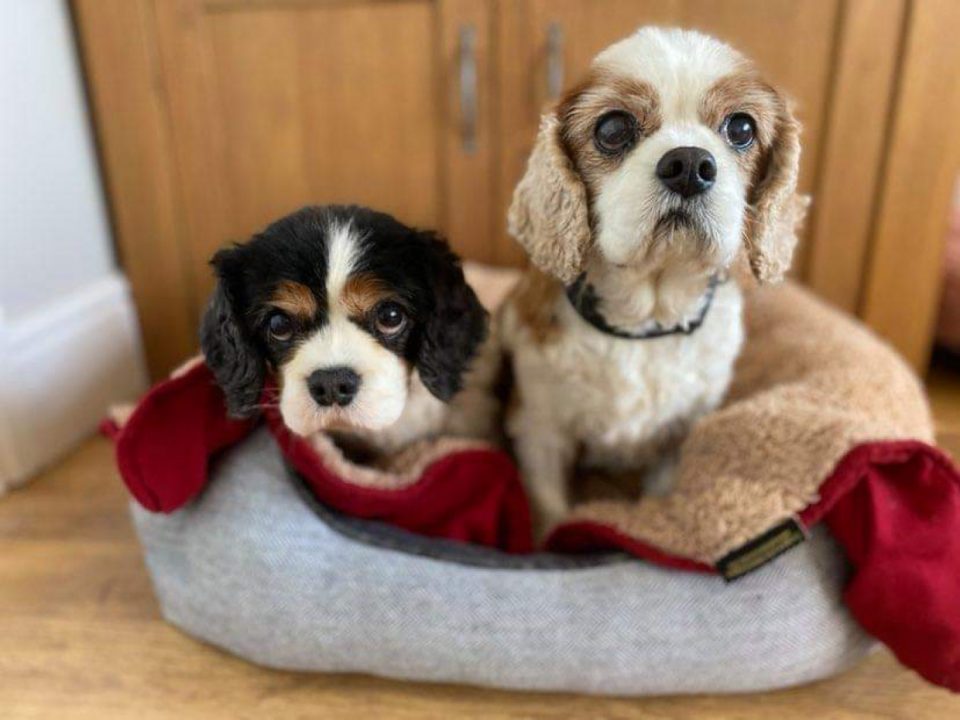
(341, 343)
(681, 65)
(343, 254)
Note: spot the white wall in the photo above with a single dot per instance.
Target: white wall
(69, 343)
(54, 233)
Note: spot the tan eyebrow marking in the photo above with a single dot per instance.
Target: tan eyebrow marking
(361, 293)
(745, 92)
(601, 92)
(294, 299)
(740, 92)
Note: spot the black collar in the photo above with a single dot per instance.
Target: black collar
(584, 300)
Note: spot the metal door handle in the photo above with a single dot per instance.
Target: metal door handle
(468, 88)
(554, 60)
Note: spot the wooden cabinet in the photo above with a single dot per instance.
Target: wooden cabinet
(277, 106)
(215, 116)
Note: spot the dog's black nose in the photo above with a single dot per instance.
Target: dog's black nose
(333, 386)
(687, 171)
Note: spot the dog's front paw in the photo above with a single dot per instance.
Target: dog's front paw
(546, 516)
(659, 478)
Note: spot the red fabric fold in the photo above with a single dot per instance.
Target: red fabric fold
(469, 495)
(900, 527)
(164, 449)
(586, 537)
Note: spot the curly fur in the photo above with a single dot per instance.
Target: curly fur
(548, 216)
(456, 327)
(231, 355)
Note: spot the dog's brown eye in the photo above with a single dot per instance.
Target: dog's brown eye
(739, 129)
(615, 132)
(279, 326)
(390, 318)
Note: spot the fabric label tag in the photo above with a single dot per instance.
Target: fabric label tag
(761, 550)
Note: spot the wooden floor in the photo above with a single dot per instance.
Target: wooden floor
(81, 637)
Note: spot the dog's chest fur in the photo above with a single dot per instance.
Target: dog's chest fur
(622, 400)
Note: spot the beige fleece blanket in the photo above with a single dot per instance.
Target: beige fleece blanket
(810, 385)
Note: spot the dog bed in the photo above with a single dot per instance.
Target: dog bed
(814, 492)
(252, 568)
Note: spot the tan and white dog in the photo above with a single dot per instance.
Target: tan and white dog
(645, 184)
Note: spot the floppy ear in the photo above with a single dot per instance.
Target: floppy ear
(775, 208)
(549, 215)
(456, 327)
(230, 354)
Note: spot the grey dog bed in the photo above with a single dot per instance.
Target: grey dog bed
(257, 568)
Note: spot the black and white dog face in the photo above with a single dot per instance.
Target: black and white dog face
(343, 305)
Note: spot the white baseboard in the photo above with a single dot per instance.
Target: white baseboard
(61, 367)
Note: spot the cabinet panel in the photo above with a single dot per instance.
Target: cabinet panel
(120, 63)
(791, 41)
(468, 90)
(902, 282)
(216, 116)
(853, 147)
(284, 104)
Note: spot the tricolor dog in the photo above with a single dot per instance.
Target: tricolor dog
(366, 325)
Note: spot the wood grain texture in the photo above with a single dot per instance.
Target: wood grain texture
(903, 281)
(82, 637)
(280, 105)
(217, 116)
(854, 148)
(792, 42)
(136, 150)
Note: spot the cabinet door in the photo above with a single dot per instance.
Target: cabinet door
(276, 105)
(218, 116)
(547, 44)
